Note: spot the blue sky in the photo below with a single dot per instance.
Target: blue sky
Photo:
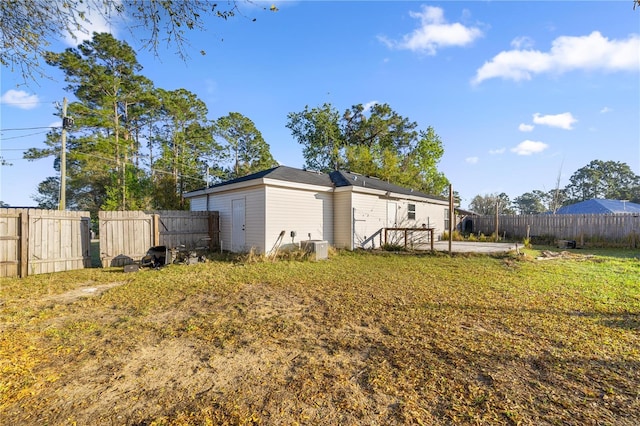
(519, 92)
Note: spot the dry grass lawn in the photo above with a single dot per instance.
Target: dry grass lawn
(360, 339)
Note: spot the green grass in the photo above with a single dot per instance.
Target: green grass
(359, 339)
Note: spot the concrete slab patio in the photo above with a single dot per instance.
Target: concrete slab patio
(475, 247)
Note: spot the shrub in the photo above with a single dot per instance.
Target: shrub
(392, 247)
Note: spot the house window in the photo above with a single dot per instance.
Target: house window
(412, 212)
(447, 218)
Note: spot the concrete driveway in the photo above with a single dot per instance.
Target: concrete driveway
(475, 247)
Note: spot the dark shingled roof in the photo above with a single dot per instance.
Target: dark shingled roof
(337, 179)
(284, 173)
(341, 178)
(598, 206)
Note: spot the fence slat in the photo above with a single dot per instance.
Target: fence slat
(24, 245)
(611, 229)
(36, 241)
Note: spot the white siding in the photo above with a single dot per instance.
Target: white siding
(254, 214)
(430, 214)
(300, 210)
(370, 216)
(199, 204)
(342, 220)
(343, 217)
(433, 215)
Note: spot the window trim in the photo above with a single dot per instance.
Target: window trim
(411, 211)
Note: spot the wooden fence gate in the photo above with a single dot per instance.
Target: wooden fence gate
(126, 236)
(36, 241)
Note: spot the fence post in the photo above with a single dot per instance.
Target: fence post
(497, 231)
(23, 266)
(213, 231)
(156, 229)
(431, 237)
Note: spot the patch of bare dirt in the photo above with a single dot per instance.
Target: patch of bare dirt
(80, 292)
(158, 377)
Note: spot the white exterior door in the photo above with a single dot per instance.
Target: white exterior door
(392, 215)
(392, 222)
(238, 225)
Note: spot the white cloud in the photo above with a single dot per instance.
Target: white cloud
(567, 53)
(525, 127)
(471, 160)
(497, 151)
(563, 121)
(522, 42)
(434, 33)
(369, 105)
(94, 21)
(20, 99)
(529, 147)
(605, 110)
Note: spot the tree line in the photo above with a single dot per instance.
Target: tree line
(134, 146)
(374, 141)
(612, 180)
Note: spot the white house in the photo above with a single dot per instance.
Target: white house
(346, 209)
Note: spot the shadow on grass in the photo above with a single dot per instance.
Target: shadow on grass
(626, 320)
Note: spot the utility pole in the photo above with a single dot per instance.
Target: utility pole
(497, 219)
(451, 218)
(63, 157)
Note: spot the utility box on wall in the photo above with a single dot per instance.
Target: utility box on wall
(318, 249)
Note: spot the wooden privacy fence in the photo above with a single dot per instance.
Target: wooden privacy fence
(618, 229)
(35, 241)
(126, 236)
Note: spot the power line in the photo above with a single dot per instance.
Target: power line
(23, 136)
(26, 159)
(27, 102)
(131, 163)
(31, 128)
(111, 160)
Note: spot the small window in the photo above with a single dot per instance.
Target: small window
(447, 219)
(412, 212)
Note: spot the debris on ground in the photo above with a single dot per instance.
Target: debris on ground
(550, 255)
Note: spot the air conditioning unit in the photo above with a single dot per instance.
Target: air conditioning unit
(318, 249)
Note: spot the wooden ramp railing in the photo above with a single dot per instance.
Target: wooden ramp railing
(408, 232)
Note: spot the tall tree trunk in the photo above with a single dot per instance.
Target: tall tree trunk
(120, 166)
